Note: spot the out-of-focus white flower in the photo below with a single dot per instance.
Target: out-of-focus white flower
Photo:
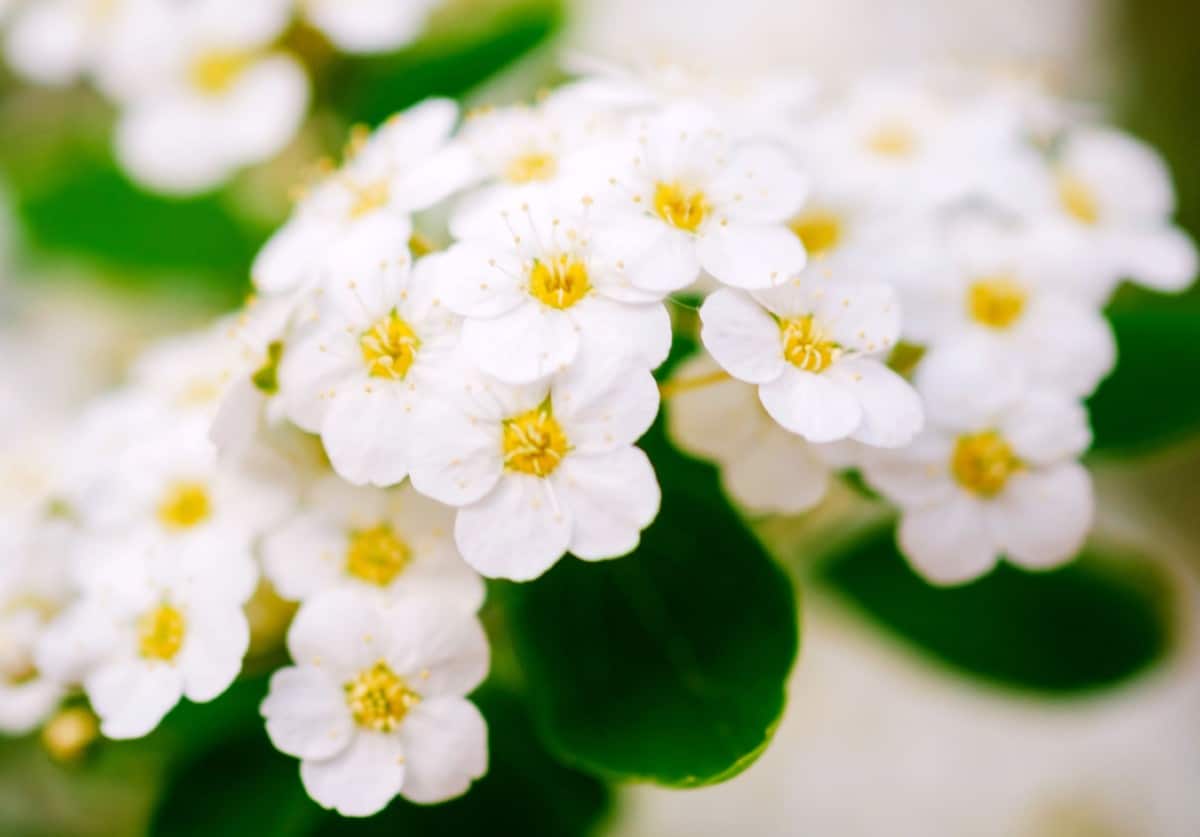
(375, 704)
(207, 96)
(541, 469)
(59, 41)
(1006, 289)
(35, 585)
(763, 467)
(394, 542)
(364, 26)
(1113, 192)
(537, 287)
(994, 472)
(816, 348)
(158, 623)
(379, 344)
(405, 166)
(684, 196)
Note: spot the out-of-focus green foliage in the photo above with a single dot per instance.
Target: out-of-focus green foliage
(669, 665)
(1084, 626)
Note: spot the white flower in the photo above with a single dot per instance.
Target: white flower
(378, 345)
(58, 41)
(390, 541)
(405, 166)
(537, 287)
(1007, 289)
(541, 469)
(763, 467)
(993, 474)
(365, 26)
(157, 624)
(210, 98)
(1114, 194)
(34, 586)
(814, 348)
(374, 706)
(685, 197)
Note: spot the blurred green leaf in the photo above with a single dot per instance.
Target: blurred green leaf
(668, 665)
(1078, 627)
(1149, 399)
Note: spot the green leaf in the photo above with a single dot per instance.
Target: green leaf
(668, 665)
(1083, 626)
(1150, 398)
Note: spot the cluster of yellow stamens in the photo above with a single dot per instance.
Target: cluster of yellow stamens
(213, 73)
(377, 555)
(534, 442)
(892, 139)
(682, 208)
(820, 231)
(531, 167)
(1077, 199)
(160, 633)
(559, 281)
(185, 504)
(805, 345)
(996, 301)
(379, 698)
(389, 347)
(983, 462)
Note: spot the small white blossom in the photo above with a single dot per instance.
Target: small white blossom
(816, 350)
(545, 468)
(374, 705)
(367, 26)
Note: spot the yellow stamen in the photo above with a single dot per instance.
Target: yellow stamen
(186, 504)
(819, 230)
(389, 347)
(983, 462)
(377, 555)
(370, 197)
(530, 167)
(559, 282)
(996, 301)
(805, 345)
(160, 633)
(1078, 199)
(213, 73)
(379, 698)
(682, 209)
(892, 139)
(534, 442)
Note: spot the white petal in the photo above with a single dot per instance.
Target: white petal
(742, 337)
(1128, 178)
(366, 434)
(306, 713)
(604, 402)
(1042, 517)
(612, 497)
(642, 331)
(316, 364)
(967, 384)
(459, 459)
(750, 256)
(340, 631)
(948, 543)
(362, 779)
(290, 257)
(1046, 428)
(860, 315)
(815, 406)
(304, 556)
(24, 707)
(892, 413)
(445, 749)
(132, 696)
(214, 645)
(1068, 345)
(518, 531)
(365, 26)
(717, 420)
(478, 280)
(525, 344)
(1162, 258)
(655, 256)
(777, 473)
(760, 185)
(443, 654)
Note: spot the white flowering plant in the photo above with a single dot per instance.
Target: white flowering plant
(520, 389)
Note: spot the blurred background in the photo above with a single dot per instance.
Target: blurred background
(1059, 705)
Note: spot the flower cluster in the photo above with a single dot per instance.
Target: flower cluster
(449, 361)
(204, 87)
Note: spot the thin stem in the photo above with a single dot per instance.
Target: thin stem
(669, 389)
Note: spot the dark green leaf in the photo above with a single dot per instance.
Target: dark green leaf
(1082, 626)
(668, 665)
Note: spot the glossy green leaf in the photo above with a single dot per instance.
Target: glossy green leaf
(670, 664)
(1150, 398)
(1083, 626)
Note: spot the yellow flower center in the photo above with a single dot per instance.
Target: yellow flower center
(377, 555)
(379, 698)
(389, 347)
(819, 230)
(20, 672)
(70, 732)
(559, 282)
(805, 345)
(213, 73)
(185, 505)
(534, 443)
(996, 301)
(160, 633)
(983, 462)
(892, 139)
(1077, 199)
(368, 198)
(527, 168)
(680, 208)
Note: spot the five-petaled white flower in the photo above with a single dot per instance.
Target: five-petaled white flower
(374, 705)
(815, 348)
(993, 474)
(544, 468)
(389, 541)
